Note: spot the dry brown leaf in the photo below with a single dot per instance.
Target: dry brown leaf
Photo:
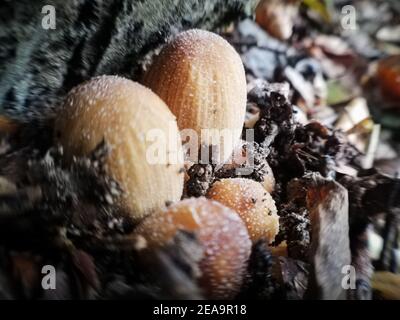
(387, 284)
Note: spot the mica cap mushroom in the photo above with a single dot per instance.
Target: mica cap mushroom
(253, 204)
(145, 152)
(201, 78)
(220, 232)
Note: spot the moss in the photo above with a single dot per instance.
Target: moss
(38, 67)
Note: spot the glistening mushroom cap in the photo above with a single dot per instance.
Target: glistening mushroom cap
(219, 230)
(146, 156)
(201, 78)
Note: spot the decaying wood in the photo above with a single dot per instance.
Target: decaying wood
(328, 206)
(293, 275)
(361, 261)
(370, 195)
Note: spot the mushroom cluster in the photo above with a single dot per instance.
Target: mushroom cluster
(196, 83)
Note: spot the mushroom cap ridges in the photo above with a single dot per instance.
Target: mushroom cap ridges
(111, 90)
(194, 61)
(122, 112)
(201, 78)
(196, 44)
(220, 231)
(252, 202)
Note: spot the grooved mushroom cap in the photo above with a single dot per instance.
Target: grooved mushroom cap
(127, 116)
(219, 230)
(201, 78)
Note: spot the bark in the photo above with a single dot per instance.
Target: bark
(328, 205)
(92, 37)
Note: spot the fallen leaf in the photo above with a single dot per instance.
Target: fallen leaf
(387, 284)
(389, 34)
(277, 17)
(320, 7)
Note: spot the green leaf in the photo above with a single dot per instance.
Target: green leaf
(321, 7)
(337, 93)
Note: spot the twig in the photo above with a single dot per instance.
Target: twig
(387, 259)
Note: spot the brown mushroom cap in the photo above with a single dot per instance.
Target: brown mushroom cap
(123, 113)
(201, 78)
(219, 230)
(252, 202)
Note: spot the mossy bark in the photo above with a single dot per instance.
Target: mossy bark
(92, 37)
